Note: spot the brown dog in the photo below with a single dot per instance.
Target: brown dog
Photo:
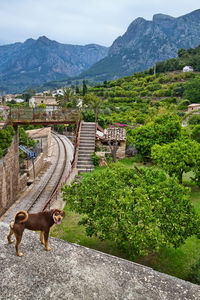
(41, 221)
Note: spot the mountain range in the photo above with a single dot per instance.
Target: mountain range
(35, 62)
(145, 43)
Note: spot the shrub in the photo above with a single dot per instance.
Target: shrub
(194, 120)
(194, 274)
(6, 136)
(95, 159)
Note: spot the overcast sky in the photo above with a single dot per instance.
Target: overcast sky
(80, 22)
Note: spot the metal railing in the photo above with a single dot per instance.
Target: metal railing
(40, 114)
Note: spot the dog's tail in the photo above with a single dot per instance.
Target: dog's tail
(21, 216)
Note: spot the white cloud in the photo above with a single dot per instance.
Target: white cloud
(78, 21)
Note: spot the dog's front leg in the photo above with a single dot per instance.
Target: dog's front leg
(46, 235)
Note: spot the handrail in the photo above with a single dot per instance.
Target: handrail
(76, 146)
(100, 128)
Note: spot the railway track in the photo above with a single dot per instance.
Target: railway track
(54, 178)
(46, 186)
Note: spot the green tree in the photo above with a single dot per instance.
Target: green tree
(177, 157)
(24, 138)
(94, 102)
(84, 87)
(194, 119)
(196, 133)
(140, 210)
(77, 89)
(164, 129)
(6, 136)
(192, 90)
(143, 138)
(68, 96)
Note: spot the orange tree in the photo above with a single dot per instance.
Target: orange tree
(141, 210)
(164, 129)
(177, 157)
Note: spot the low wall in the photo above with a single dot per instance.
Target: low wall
(38, 165)
(23, 182)
(9, 176)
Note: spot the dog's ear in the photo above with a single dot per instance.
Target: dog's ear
(62, 213)
(53, 211)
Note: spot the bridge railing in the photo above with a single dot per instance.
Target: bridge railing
(40, 114)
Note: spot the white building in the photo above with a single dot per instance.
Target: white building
(57, 92)
(188, 69)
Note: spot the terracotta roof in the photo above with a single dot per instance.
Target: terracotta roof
(194, 105)
(115, 134)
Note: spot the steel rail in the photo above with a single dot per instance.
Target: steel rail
(40, 194)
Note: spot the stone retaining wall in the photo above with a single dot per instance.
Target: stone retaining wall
(9, 176)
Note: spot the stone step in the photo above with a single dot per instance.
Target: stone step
(89, 138)
(84, 142)
(85, 169)
(84, 154)
(86, 134)
(87, 147)
(85, 163)
(87, 128)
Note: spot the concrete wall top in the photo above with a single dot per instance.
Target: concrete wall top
(38, 133)
(70, 271)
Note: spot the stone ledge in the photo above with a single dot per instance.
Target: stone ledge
(70, 271)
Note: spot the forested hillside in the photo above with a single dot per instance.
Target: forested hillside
(190, 57)
(137, 99)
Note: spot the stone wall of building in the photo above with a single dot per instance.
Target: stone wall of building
(105, 148)
(9, 176)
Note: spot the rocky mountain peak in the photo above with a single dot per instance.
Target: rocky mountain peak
(44, 40)
(147, 42)
(159, 18)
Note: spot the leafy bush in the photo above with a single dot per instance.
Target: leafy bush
(183, 104)
(196, 133)
(95, 159)
(6, 136)
(194, 274)
(194, 120)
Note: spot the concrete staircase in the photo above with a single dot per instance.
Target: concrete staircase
(86, 147)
